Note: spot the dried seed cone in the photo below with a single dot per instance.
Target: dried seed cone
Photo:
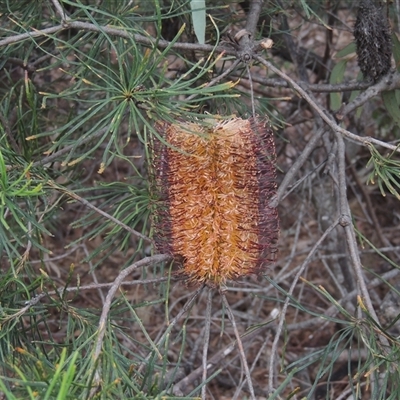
(214, 187)
(373, 40)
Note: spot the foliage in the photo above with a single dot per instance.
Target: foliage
(88, 309)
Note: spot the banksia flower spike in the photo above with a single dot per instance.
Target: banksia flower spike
(214, 185)
(373, 40)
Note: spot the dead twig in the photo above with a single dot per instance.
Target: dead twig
(326, 117)
(206, 343)
(216, 360)
(287, 301)
(239, 345)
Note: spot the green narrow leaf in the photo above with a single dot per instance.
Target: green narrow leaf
(392, 105)
(337, 77)
(56, 377)
(67, 378)
(349, 49)
(396, 50)
(309, 11)
(305, 8)
(199, 19)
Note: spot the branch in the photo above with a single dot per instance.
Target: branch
(239, 344)
(206, 342)
(253, 16)
(113, 290)
(217, 359)
(61, 12)
(124, 33)
(304, 265)
(314, 87)
(347, 224)
(326, 117)
(62, 290)
(294, 169)
(389, 82)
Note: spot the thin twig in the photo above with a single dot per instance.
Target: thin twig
(260, 351)
(389, 83)
(346, 222)
(172, 323)
(206, 343)
(216, 360)
(253, 106)
(295, 168)
(60, 10)
(326, 117)
(287, 301)
(217, 78)
(101, 212)
(239, 345)
(70, 289)
(338, 87)
(314, 87)
(124, 33)
(107, 305)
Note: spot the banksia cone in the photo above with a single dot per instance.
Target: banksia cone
(373, 40)
(214, 187)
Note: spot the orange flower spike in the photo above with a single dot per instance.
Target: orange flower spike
(214, 187)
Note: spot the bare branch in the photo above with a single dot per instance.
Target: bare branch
(389, 82)
(294, 169)
(346, 222)
(287, 301)
(326, 117)
(239, 345)
(206, 342)
(314, 87)
(61, 12)
(217, 359)
(253, 16)
(124, 33)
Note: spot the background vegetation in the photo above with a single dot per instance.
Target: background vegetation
(88, 309)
